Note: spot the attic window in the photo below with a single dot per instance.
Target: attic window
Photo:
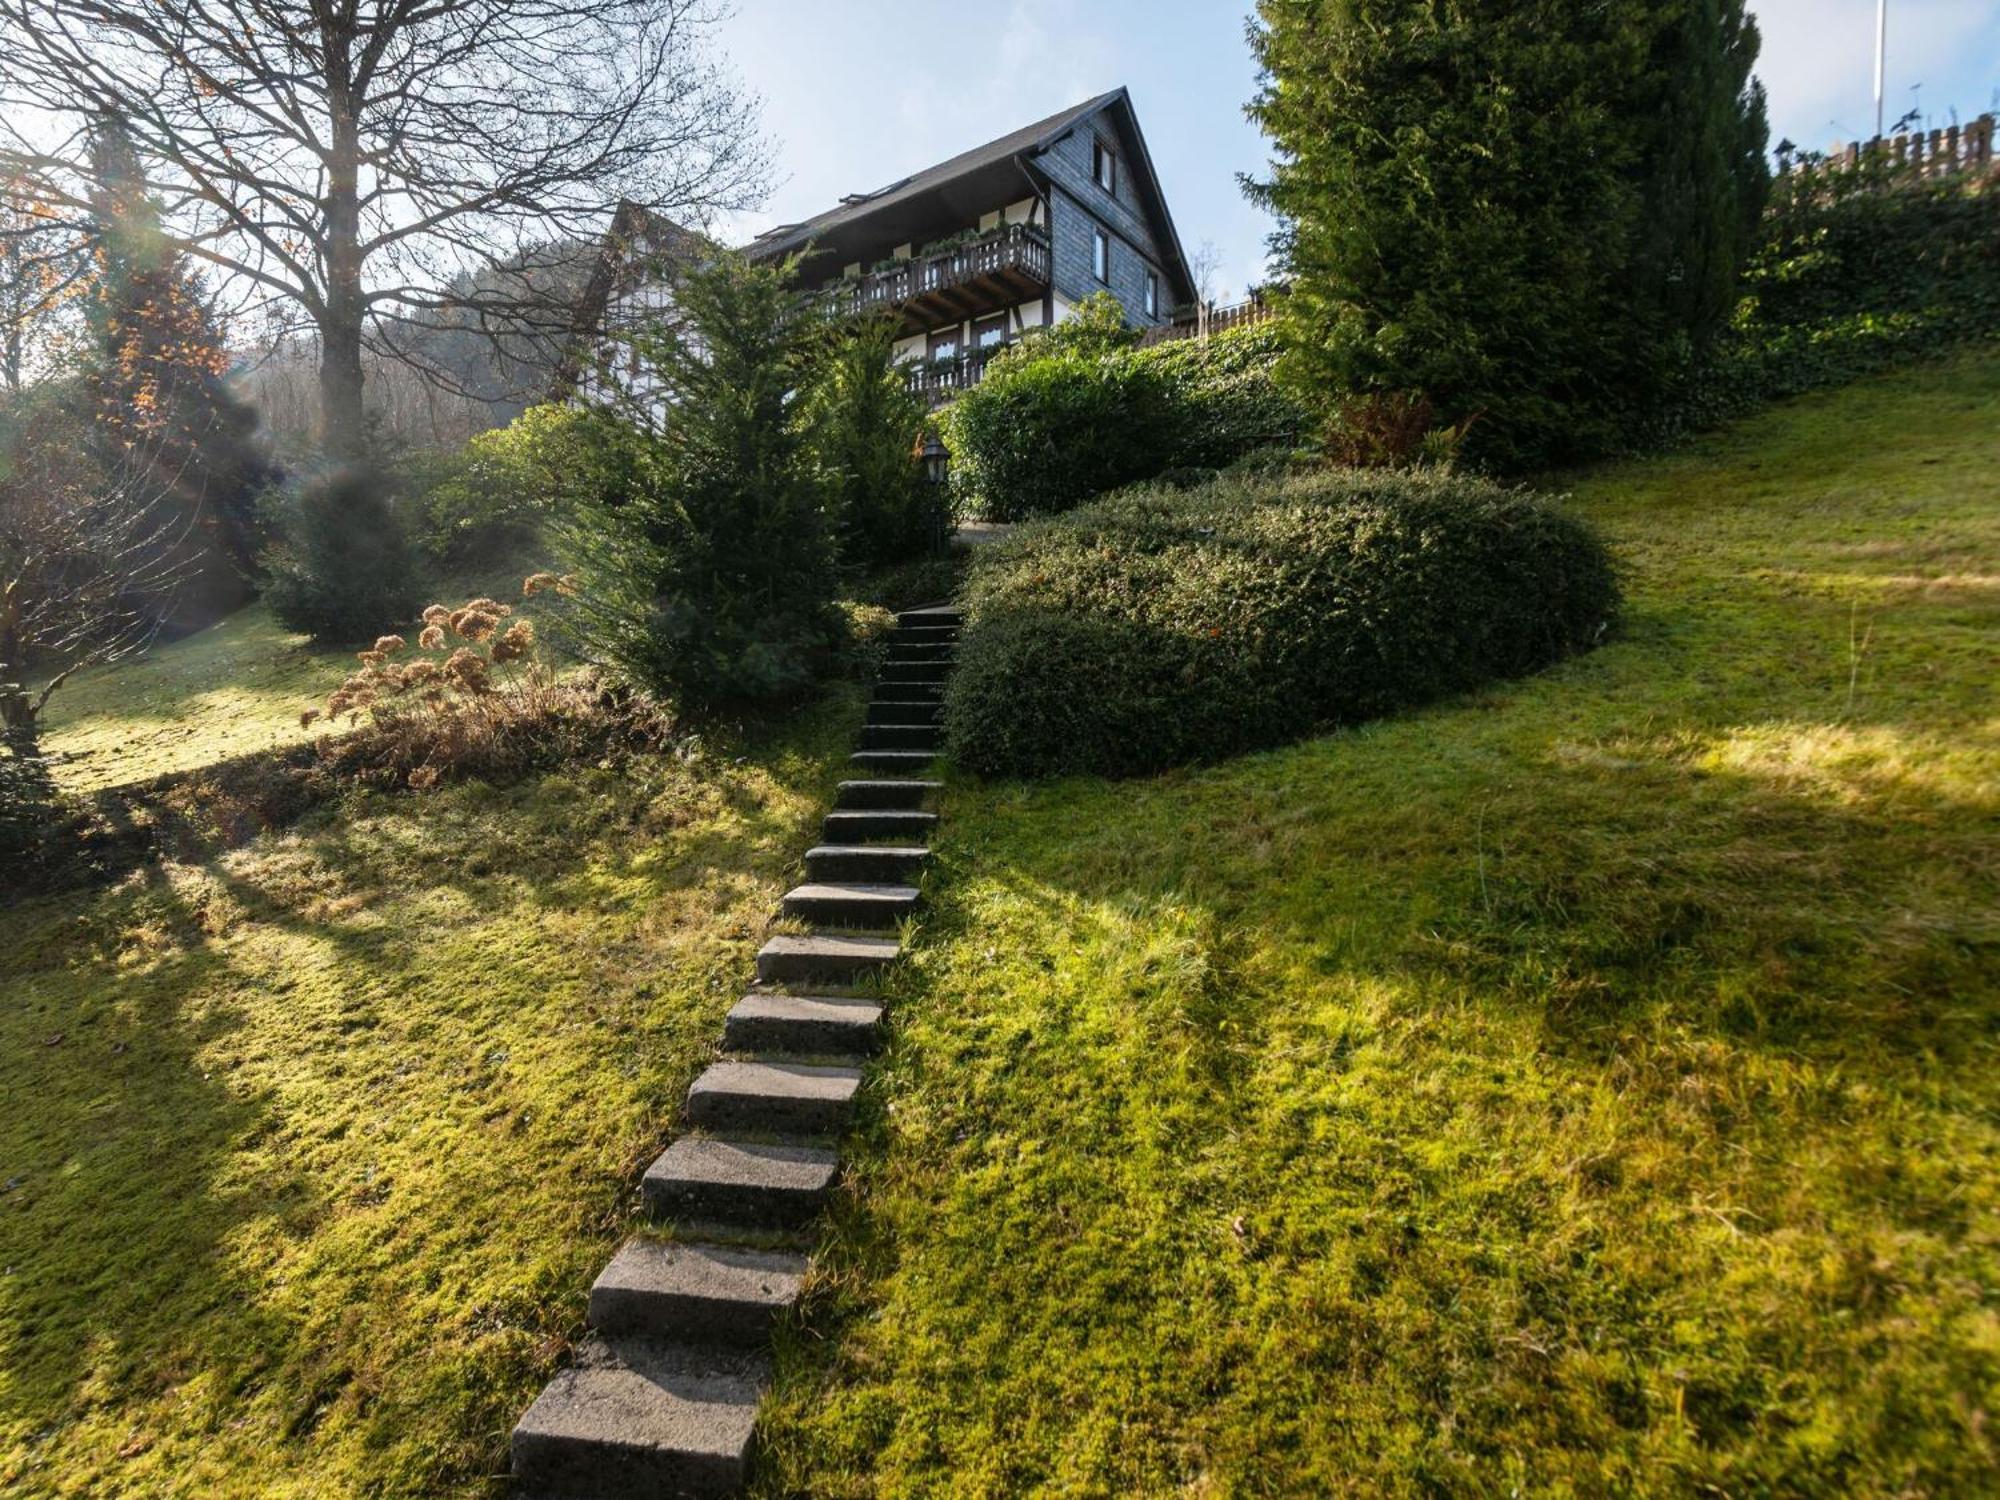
(1104, 166)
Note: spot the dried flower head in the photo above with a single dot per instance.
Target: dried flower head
(425, 777)
(372, 658)
(566, 585)
(474, 624)
(437, 614)
(389, 645)
(421, 673)
(488, 606)
(432, 639)
(468, 669)
(534, 583)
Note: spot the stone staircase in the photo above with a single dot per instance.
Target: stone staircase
(662, 1397)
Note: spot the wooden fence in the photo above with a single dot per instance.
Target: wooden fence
(1938, 153)
(1207, 320)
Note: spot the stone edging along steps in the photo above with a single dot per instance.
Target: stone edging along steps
(662, 1398)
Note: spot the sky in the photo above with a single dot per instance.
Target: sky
(856, 94)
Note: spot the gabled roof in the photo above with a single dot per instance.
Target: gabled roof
(638, 241)
(1029, 140)
(971, 172)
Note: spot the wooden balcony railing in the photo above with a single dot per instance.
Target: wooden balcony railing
(1012, 260)
(937, 381)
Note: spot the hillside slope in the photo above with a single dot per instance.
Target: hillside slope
(1587, 1087)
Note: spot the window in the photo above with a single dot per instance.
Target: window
(990, 332)
(944, 343)
(1100, 256)
(1104, 167)
(1152, 295)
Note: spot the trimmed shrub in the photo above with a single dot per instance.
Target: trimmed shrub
(342, 569)
(1062, 422)
(1158, 627)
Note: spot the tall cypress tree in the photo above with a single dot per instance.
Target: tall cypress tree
(1524, 216)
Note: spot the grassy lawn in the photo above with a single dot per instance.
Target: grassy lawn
(236, 687)
(1592, 1087)
(310, 1153)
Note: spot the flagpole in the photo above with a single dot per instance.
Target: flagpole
(1881, 45)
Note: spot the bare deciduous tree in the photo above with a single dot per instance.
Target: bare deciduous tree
(44, 270)
(370, 166)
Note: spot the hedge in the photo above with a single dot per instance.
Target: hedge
(1162, 627)
(1046, 431)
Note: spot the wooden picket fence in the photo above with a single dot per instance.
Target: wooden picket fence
(1207, 320)
(1945, 152)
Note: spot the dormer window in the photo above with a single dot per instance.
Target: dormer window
(1104, 167)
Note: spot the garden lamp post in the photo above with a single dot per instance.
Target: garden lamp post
(936, 460)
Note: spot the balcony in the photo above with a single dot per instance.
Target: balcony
(937, 381)
(996, 270)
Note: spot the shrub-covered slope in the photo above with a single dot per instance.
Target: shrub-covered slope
(1589, 1088)
(1158, 627)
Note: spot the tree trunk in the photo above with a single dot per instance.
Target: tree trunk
(343, 427)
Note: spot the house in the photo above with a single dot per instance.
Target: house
(966, 256)
(972, 253)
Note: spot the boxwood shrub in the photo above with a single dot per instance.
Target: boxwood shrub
(1158, 627)
(1045, 431)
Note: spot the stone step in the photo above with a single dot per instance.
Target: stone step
(878, 823)
(926, 691)
(788, 958)
(738, 1183)
(837, 864)
(902, 792)
(931, 614)
(902, 649)
(807, 1024)
(851, 905)
(925, 633)
(638, 1418)
(781, 1098)
(902, 737)
(710, 1294)
(892, 761)
(900, 674)
(905, 711)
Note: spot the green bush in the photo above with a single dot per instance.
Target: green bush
(1063, 421)
(1158, 627)
(342, 569)
(487, 500)
(1857, 270)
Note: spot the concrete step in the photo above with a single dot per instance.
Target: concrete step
(904, 648)
(895, 792)
(909, 692)
(836, 864)
(902, 736)
(812, 1025)
(638, 1418)
(925, 634)
(878, 823)
(931, 614)
(740, 1184)
(900, 672)
(892, 761)
(782, 1098)
(695, 1293)
(851, 905)
(905, 711)
(787, 959)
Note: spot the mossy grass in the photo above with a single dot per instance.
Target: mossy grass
(311, 1152)
(1587, 1086)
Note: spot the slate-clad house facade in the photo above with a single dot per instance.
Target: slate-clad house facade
(967, 255)
(976, 251)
